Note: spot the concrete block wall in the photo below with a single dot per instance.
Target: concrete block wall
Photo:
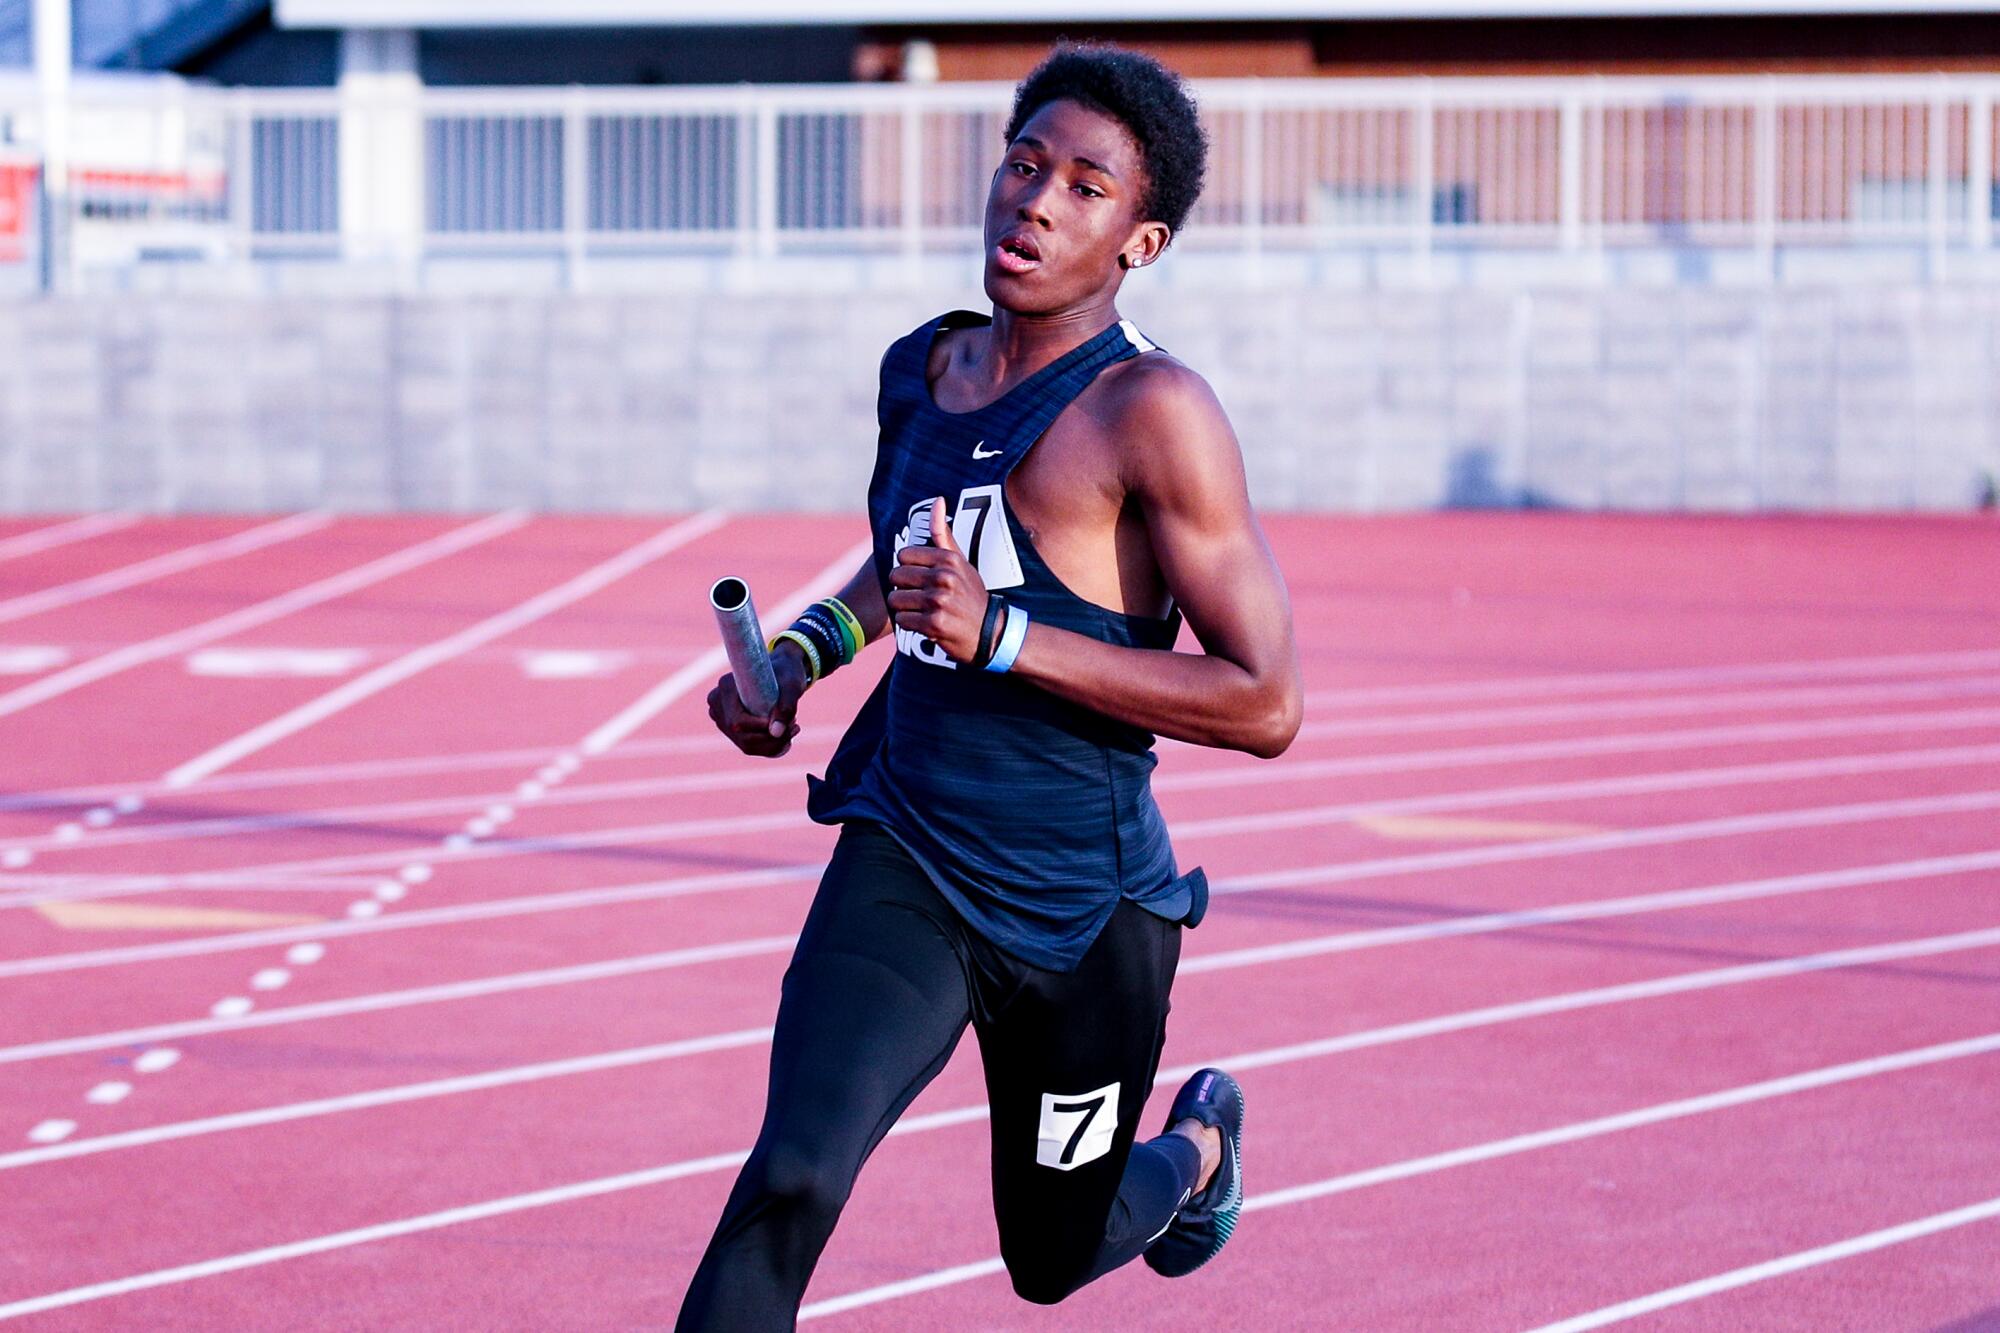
(1854, 398)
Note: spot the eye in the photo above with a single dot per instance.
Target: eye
(1090, 191)
(1021, 168)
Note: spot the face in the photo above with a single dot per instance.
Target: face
(1063, 208)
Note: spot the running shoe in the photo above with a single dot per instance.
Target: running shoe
(1203, 1225)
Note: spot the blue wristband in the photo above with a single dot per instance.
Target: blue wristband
(1011, 638)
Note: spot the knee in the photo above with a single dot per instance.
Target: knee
(1040, 1281)
(799, 1175)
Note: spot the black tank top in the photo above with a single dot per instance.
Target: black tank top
(1032, 815)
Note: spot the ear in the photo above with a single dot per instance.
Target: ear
(1144, 245)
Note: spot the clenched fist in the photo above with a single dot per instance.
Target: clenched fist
(768, 735)
(934, 591)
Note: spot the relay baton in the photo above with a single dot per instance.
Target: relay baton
(743, 640)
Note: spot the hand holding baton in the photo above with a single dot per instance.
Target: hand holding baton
(743, 640)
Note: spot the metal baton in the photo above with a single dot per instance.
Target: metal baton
(743, 640)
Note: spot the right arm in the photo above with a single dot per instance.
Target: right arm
(771, 734)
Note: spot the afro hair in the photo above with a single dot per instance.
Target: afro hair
(1144, 96)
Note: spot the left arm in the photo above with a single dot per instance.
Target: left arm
(1185, 469)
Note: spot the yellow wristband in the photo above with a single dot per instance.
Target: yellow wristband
(849, 622)
(813, 666)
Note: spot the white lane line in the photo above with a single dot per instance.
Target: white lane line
(1654, 836)
(371, 683)
(1770, 1268)
(722, 1161)
(1679, 705)
(252, 878)
(1610, 682)
(157, 1060)
(649, 705)
(355, 770)
(52, 1131)
(108, 1093)
(161, 566)
(1338, 942)
(422, 765)
(396, 1096)
(260, 613)
(1588, 789)
(282, 876)
(589, 794)
(1631, 742)
(62, 534)
(1594, 909)
(236, 1014)
(1282, 771)
(1660, 1113)
(526, 905)
(1441, 1025)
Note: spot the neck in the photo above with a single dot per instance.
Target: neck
(1020, 344)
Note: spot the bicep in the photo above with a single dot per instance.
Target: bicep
(1211, 549)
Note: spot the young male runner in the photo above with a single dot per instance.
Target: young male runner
(1052, 494)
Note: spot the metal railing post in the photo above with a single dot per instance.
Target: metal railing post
(912, 182)
(1253, 179)
(1979, 169)
(1766, 228)
(1934, 201)
(746, 175)
(1570, 165)
(242, 184)
(1425, 180)
(576, 180)
(767, 180)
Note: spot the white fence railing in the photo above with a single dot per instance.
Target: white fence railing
(1564, 166)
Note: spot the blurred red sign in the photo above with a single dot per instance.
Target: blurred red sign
(17, 199)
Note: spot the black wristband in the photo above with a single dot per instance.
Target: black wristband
(826, 639)
(989, 638)
(819, 622)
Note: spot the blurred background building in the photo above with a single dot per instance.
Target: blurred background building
(614, 253)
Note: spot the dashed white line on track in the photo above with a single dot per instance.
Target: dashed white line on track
(51, 1131)
(1441, 1025)
(389, 674)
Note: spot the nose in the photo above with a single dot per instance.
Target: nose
(1031, 207)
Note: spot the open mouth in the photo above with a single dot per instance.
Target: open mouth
(1017, 253)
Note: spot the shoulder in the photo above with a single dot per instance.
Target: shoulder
(946, 343)
(1167, 421)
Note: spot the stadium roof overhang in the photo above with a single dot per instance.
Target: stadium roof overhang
(678, 13)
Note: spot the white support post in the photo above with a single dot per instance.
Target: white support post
(1979, 170)
(1424, 183)
(242, 185)
(1935, 215)
(1570, 164)
(767, 180)
(1766, 227)
(912, 127)
(746, 175)
(381, 148)
(53, 45)
(576, 178)
(1253, 182)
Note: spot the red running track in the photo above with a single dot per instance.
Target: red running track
(1620, 941)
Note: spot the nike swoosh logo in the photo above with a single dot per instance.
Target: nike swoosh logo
(979, 451)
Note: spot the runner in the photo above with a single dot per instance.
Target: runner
(1052, 494)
